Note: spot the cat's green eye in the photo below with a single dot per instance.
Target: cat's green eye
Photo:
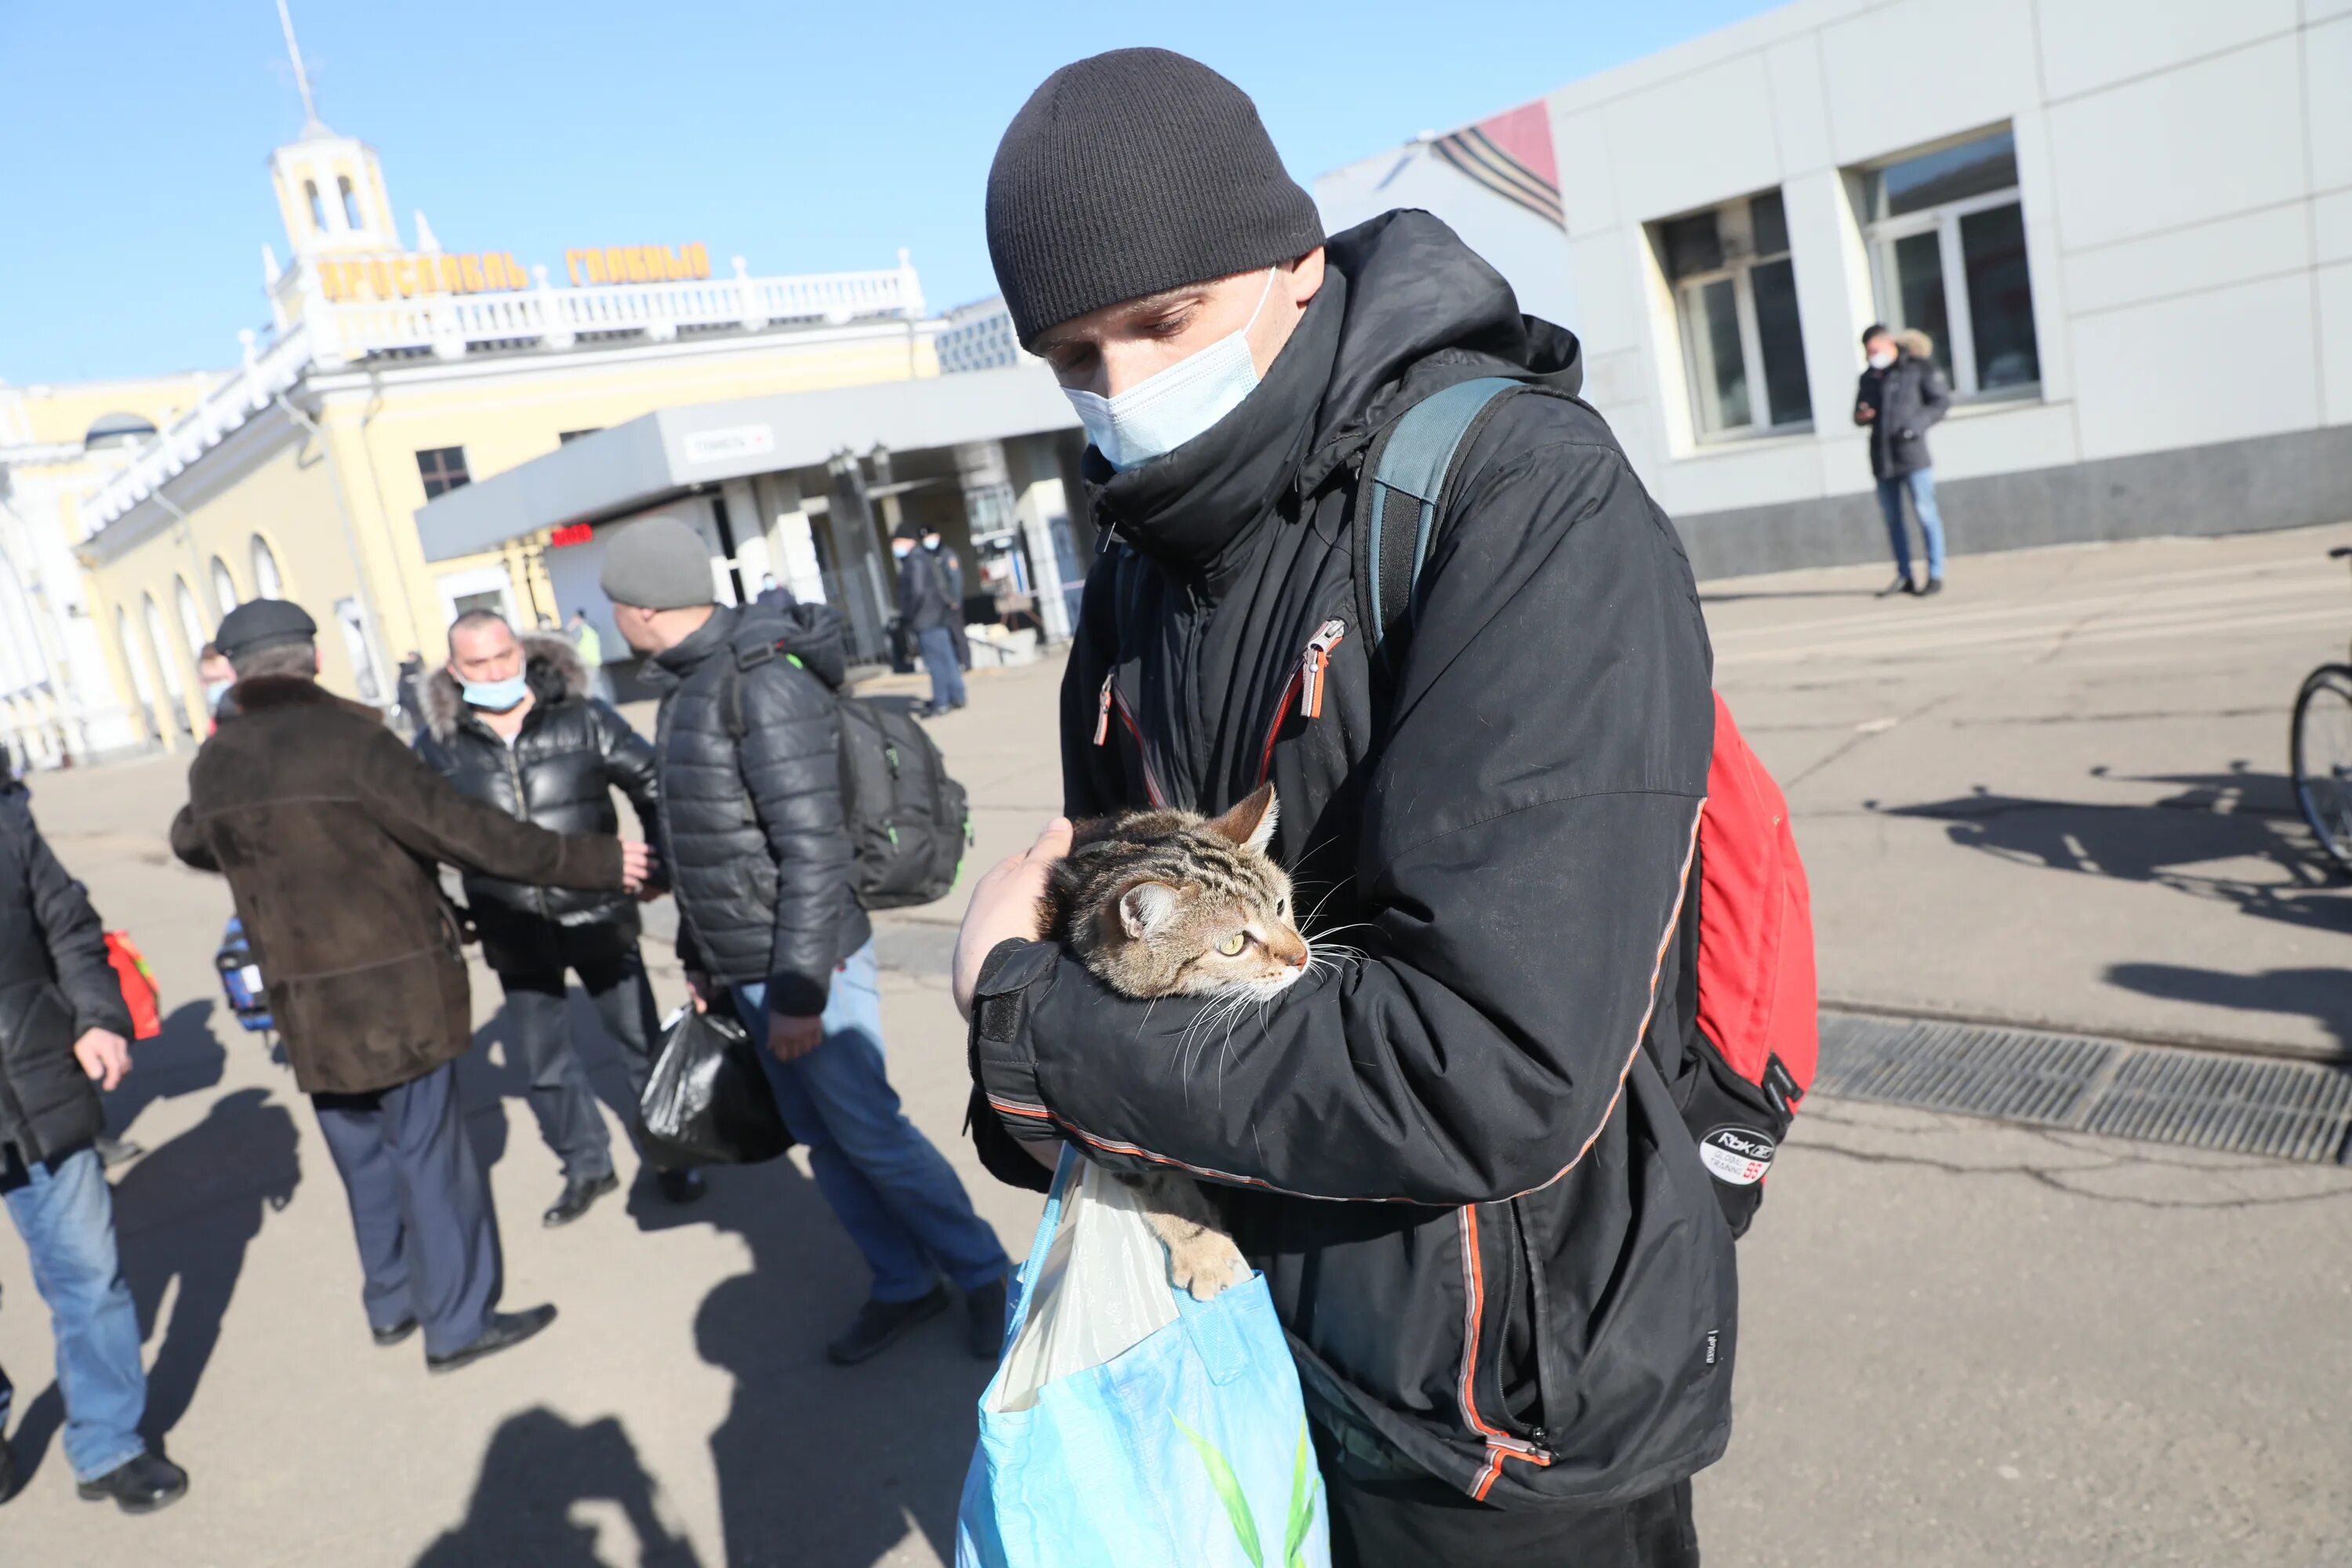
(1231, 946)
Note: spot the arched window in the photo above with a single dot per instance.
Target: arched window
(140, 688)
(161, 647)
(350, 201)
(224, 586)
(318, 207)
(266, 583)
(192, 619)
(116, 430)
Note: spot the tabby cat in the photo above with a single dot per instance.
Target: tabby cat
(1167, 903)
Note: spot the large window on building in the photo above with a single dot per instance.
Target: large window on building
(224, 586)
(267, 582)
(192, 619)
(443, 470)
(1736, 298)
(1947, 253)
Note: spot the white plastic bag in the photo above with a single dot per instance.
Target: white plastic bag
(1102, 1291)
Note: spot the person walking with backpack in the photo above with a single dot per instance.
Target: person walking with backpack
(929, 604)
(749, 750)
(64, 1040)
(509, 721)
(1459, 1155)
(1902, 393)
(327, 830)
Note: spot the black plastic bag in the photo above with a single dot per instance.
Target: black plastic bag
(708, 1101)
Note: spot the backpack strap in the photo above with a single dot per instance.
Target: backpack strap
(1400, 510)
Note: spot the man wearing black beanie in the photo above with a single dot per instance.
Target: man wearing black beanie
(1456, 1150)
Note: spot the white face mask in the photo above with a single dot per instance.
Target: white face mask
(1162, 412)
(1881, 359)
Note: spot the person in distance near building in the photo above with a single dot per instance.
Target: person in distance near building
(928, 601)
(748, 742)
(1457, 1155)
(509, 721)
(1902, 393)
(65, 1037)
(327, 830)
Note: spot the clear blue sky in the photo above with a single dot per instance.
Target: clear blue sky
(134, 197)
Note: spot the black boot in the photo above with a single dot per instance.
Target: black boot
(681, 1187)
(507, 1330)
(1902, 584)
(385, 1338)
(880, 1324)
(578, 1198)
(144, 1485)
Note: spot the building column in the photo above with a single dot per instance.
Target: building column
(1834, 302)
(792, 541)
(1043, 507)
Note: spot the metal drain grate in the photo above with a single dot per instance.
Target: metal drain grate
(2009, 1074)
(2286, 1109)
(2289, 1111)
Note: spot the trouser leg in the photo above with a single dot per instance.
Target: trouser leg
(352, 1128)
(65, 1212)
(901, 1190)
(623, 999)
(561, 1101)
(1890, 507)
(454, 1241)
(1922, 484)
(940, 661)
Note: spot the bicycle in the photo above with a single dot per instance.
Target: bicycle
(2319, 747)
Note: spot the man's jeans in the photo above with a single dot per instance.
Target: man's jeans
(66, 1215)
(895, 1194)
(938, 644)
(1921, 483)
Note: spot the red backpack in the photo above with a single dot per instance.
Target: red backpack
(1755, 1025)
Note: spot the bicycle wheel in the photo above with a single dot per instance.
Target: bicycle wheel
(2321, 751)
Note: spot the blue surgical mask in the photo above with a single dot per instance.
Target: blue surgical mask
(213, 691)
(1160, 413)
(497, 696)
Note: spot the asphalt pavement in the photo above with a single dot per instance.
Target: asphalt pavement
(2052, 795)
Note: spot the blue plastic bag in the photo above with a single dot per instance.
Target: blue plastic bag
(1130, 1425)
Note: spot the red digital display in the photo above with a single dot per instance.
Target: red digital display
(572, 534)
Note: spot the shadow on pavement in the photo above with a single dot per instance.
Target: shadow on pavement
(526, 1507)
(2324, 995)
(185, 1057)
(187, 1212)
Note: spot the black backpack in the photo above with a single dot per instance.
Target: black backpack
(909, 822)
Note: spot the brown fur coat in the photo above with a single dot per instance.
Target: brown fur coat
(327, 830)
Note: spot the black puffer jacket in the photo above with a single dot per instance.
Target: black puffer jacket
(750, 800)
(572, 752)
(1903, 399)
(54, 985)
(1528, 1287)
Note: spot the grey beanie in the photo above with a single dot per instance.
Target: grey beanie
(1132, 172)
(659, 563)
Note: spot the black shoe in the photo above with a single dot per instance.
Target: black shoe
(387, 1338)
(984, 1326)
(578, 1198)
(681, 1187)
(878, 1325)
(1902, 584)
(145, 1484)
(1935, 585)
(7, 1472)
(507, 1330)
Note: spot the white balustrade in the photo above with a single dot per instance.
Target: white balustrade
(332, 334)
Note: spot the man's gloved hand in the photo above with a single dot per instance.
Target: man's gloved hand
(792, 1039)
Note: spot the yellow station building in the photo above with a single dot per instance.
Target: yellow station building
(134, 513)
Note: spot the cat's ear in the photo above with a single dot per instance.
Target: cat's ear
(1146, 907)
(1250, 825)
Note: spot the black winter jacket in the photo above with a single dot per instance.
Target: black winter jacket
(1905, 399)
(572, 753)
(927, 597)
(751, 828)
(54, 985)
(1457, 1157)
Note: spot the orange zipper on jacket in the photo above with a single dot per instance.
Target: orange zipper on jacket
(1500, 1445)
(1305, 687)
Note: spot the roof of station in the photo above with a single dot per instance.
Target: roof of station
(671, 451)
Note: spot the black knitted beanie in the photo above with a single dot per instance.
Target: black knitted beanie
(1130, 173)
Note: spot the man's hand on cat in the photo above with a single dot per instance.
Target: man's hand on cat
(1004, 906)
